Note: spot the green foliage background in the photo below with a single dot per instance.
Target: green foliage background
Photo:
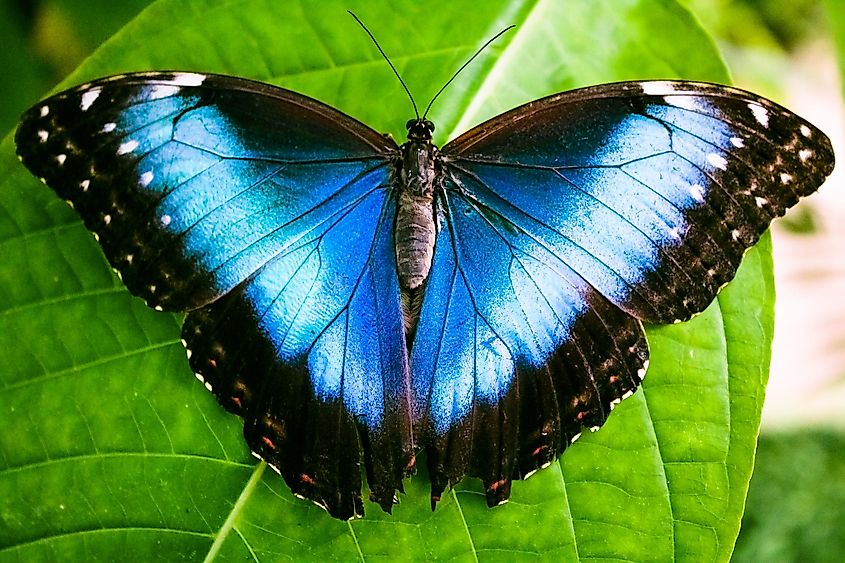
(111, 449)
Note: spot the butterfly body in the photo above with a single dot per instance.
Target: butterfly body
(356, 302)
(416, 181)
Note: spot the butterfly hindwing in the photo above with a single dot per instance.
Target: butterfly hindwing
(307, 346)
(267, 216)
(515, 352)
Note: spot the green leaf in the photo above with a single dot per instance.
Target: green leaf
(17, 60)
(110, 447)
(835, 12)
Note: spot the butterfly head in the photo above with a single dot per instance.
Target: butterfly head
(419, 129)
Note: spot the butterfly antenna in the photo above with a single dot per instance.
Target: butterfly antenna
(396, 72)
(472, 58)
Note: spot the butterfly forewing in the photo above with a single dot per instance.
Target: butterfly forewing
(652, 191)
(184, 176)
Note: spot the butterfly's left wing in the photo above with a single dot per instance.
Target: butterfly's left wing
(266, 216)
(565, 223)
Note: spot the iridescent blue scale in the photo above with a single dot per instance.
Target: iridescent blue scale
(275, 223)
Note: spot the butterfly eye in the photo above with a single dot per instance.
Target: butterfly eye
(419, 128)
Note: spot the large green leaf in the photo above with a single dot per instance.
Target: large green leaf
(111, 449)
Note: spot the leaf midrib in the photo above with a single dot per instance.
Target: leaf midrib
(231, 520)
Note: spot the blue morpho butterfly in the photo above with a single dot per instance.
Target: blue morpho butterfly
(356, 300)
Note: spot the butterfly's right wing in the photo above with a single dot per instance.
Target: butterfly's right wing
(567, 221)
(268, 216)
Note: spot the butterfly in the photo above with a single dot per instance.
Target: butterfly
(359, 301)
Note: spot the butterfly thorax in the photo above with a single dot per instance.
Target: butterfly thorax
(415, 178)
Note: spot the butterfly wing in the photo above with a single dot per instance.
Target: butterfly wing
(266, 215)
(567, 221)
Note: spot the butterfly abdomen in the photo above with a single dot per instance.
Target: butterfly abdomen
(415, 236)
(415, 229)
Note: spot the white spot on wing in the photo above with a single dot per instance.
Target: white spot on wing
(200, 377)
(735, 234)
(737, 142)
(42, 135)
(127, 147)
(109, 127)
(804, 154)
(785, 178)
(657, 88)
(717, 161)
(45, 110)
(165, 220)
(61, 158)
(806, 131)
(697, 192)
(84, 185)
(760, 113)
(163, 91)
(146, 178)
(89, 98)
(188, 79)
(208, 385)
(683, 102)
(761, 201)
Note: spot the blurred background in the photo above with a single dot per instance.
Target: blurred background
(792, 52)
